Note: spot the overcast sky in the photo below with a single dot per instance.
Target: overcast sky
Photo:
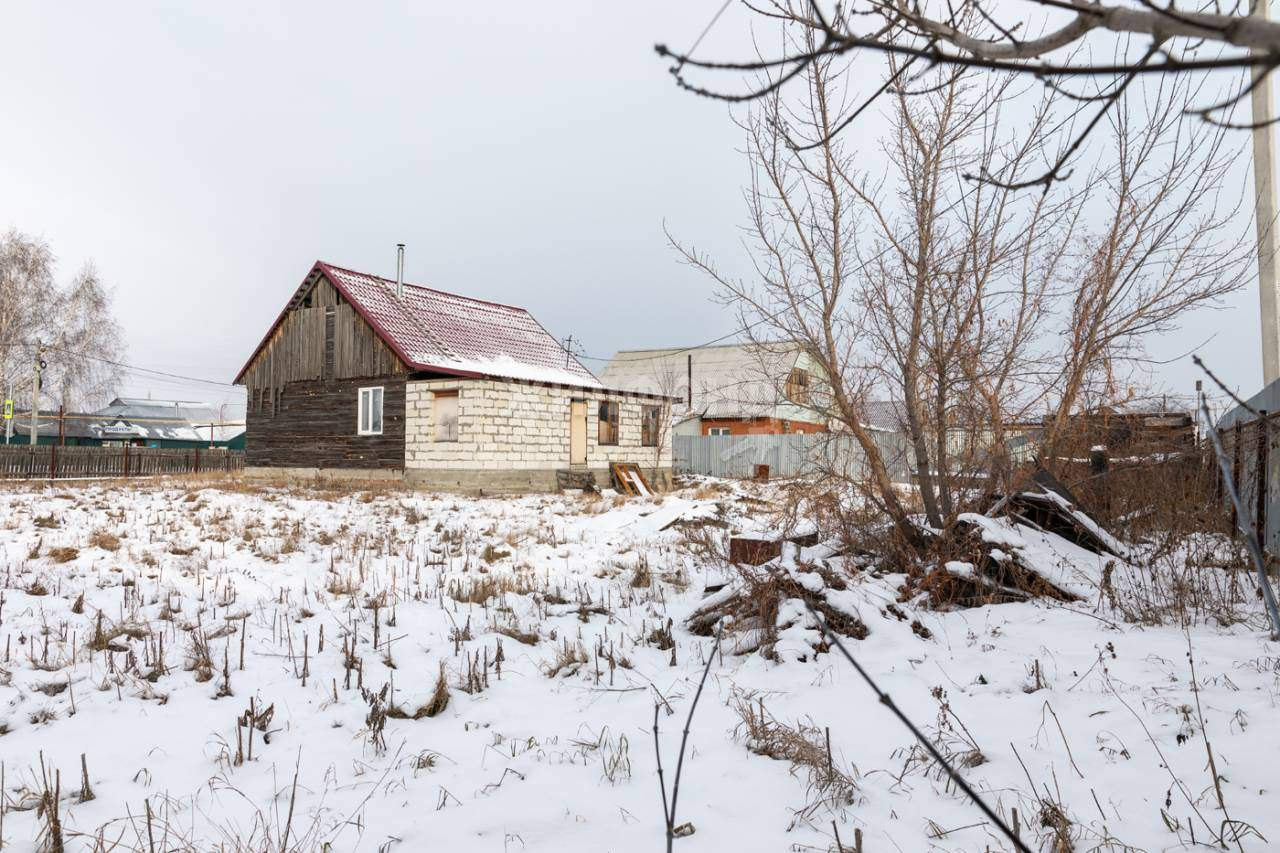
(205, 155)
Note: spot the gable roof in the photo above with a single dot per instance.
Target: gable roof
(729, 380)
(431, 330)
(129, 417)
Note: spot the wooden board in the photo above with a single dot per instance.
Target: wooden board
(315, 427)
(630, 479)
(327, 340)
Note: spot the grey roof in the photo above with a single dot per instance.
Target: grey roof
(145, 419)
(889, 415)
(174, 420)
(729, 380)
(74, 425)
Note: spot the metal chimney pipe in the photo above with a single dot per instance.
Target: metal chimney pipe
(399, 270)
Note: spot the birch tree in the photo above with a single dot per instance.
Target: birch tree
(81, 339)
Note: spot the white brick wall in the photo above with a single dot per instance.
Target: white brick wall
(512, 425)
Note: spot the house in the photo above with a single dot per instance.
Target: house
(138, 423)
(729, 389)
(365, 377)
(168, 423)
(74, 429)
(1136, 427)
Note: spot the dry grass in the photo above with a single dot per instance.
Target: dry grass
(63, 555)
(104, 539)
(805, 746)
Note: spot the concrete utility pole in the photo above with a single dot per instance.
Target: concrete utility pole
(1265, 214)
(35, 395)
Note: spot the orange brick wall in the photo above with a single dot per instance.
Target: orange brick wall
(758, 426)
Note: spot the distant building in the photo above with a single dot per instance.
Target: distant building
(168, 423)
(75, 429)
(138, 423)
(729, 389)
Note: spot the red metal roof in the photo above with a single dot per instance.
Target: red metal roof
(432, 330)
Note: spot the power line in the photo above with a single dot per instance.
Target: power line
(137, 368)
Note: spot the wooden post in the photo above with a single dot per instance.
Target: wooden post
(1099, 464)
(197, 460)
(53, 460)
(1260, 481)
(126, 459)
(62, 426)
(1235, 475)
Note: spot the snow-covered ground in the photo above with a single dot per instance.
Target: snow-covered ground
(143, 625)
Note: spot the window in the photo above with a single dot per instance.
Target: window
(649, 422)
(797, 390)
(444, 412)
(370, 415)
(608, 433)
(717, 431)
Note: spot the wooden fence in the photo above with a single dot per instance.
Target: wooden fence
(48, 462)
(1253, 446)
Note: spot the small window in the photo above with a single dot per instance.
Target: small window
(797, 390)
(370, 415)
(608, 432)
(649, 421)
(717, 431)
(444, 412)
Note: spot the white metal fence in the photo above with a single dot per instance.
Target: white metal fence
(787, 455)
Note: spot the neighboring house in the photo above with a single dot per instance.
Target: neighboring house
(168, 423)
(1137, 427)
(75, 430)
(364, 377)
(730, 389)
(138, 423)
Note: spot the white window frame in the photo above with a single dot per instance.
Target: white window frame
(718, 431)
(364, 424)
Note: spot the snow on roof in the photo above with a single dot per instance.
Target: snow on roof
(432, 330)
(176, 420)
(127, 417)
(729, 380)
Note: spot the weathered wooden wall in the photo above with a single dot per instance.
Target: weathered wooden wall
(314, 426)
(302, 349)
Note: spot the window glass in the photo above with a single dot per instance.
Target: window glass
(797, 390)
(369, 416)
(608, 430)
(649, 426)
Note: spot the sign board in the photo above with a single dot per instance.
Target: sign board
(8, 410)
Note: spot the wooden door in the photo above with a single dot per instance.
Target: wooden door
(578, 432)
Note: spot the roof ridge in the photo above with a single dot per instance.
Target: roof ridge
(436, 290)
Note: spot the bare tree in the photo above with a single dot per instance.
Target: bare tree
(944, 294)
(1145, 39)
(666, 379)
(1167, 248)
(27, 290)
(88, 342)
(82, 342)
